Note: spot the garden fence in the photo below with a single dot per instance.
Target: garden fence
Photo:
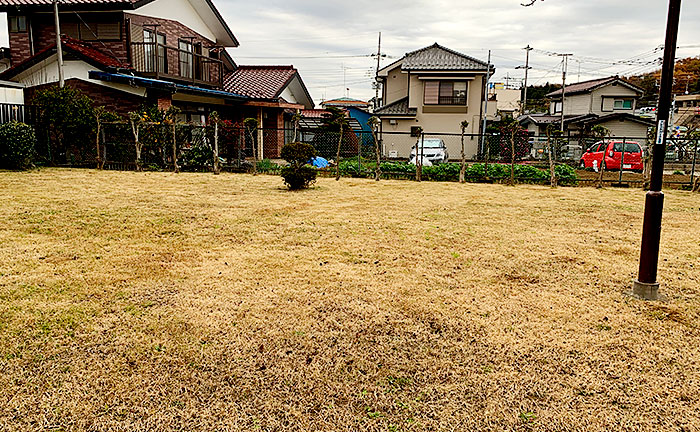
(17, 112)
(193, 147)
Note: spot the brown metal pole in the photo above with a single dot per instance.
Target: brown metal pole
(646, 286)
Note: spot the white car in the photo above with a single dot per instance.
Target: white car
(434, 150)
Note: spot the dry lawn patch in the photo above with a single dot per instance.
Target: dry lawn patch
(154, 301)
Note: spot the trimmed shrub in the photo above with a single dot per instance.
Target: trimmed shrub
(17, 142)
(298, 175)
(298, 178)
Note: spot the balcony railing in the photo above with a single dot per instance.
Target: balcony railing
(452, 100)
(161, 61)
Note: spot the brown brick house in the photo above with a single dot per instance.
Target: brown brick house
(273, 93)
(129, 53)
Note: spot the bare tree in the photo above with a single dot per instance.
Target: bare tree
(511, 128)
(336, 120)
(463, 127)
(601, 132)
(553, 135)
(136, 120)
(251, 126)
(214, 120)
(373, 123)
(296, 119)
(171, 117)
(99, 115)
(419, 154)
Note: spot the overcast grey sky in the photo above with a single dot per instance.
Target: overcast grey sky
(321, 38)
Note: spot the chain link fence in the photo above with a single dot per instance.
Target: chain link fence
(580, 160)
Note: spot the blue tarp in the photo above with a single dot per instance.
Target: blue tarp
(318, 162)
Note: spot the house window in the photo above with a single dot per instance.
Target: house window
(622, 104)
(445, 93)
(92, 31)
(17, 24)
(557, 107)
(186, 58)
(154, 51)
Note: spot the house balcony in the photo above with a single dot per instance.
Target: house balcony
(452, 100)
(154, 60)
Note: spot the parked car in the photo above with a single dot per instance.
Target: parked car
(434, 150)
(672, 152)
(612, 151)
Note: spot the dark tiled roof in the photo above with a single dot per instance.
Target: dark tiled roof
(64, 2)
(587, 86)
(313, 119)
(314, 113)
(345, 101)
(81, 49)
(259, 82)
(437, 57)
(542, 119)
(615, 116)
(86, 50)
(400, 107)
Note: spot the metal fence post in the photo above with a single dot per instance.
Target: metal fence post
(176, 168)
(692, 169)
(359, 155)
(217, 169)
(241, 136)
(622, 159)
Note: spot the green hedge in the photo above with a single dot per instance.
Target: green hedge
(450, 171)
(17, 141)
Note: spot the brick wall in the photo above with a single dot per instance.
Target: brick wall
(20, 48)
(113, 100)
(45, 34)
(173, 31)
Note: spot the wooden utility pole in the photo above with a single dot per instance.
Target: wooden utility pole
(376, 77)
(564, 67)
(59, 47)
(646, 285)
(527, 68)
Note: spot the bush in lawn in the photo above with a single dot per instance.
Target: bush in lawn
(16, 145)
(298, 175)
(66, 119)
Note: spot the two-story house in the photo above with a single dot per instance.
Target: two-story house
(610, 102)
(436, 89)
(687, 110)
(125, 54)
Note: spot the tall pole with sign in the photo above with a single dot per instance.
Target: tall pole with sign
(59, 46)
(646, 285)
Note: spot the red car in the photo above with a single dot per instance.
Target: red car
(612, 150)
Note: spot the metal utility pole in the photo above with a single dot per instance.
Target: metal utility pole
(486, 103)
(564, 67)
(59, 47)
(527, 68)
(646, 286)
(376, 77)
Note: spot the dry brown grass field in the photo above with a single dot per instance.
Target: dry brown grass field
(155, 301)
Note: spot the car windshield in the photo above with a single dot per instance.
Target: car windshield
(432, 143)
(630, 147)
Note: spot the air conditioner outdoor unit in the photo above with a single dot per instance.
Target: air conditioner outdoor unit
(393, 122)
